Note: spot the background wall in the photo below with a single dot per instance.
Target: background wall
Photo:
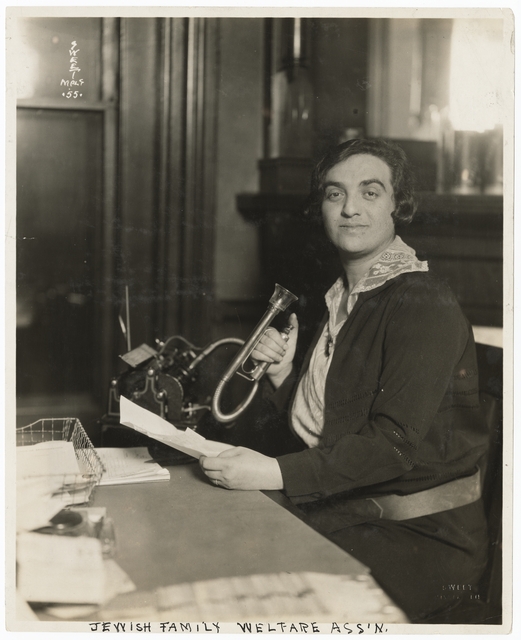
(339, 72)
(336, 56)
(143, 190)
(239, 147)
(408, 71)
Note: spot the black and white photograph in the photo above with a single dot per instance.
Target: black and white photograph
(259, 320)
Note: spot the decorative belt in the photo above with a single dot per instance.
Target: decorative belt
(453, 494)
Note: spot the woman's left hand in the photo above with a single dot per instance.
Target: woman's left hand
(241, 468)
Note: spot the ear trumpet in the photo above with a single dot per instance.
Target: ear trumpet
(279, 301)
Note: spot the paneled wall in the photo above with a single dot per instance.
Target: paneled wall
(137, 158)
(64, 201)
(60, 158)
(116, 188)
(167, 174)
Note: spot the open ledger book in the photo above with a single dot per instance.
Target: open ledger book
(152, 425)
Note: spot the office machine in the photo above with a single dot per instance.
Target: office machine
(179, 381)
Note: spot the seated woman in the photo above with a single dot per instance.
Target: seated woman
(385, 405)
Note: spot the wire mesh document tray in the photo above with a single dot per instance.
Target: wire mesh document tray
(78, 485)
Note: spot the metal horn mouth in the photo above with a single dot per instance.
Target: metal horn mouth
(282, 298)
(279, 301)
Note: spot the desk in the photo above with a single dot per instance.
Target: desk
(187, 530)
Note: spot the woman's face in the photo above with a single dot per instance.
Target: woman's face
(357, 206)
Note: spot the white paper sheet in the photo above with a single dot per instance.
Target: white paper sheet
(37, 501)
(116, 582)
(60, 568)
(152, 425)
(55, 457)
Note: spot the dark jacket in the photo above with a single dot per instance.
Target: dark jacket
(401, 401)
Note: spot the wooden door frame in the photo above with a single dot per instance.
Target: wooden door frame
(187, 167)
(185, 159)
(110, 79)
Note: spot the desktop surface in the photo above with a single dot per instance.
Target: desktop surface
(186, 530)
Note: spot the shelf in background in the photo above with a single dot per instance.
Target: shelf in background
(460, 235)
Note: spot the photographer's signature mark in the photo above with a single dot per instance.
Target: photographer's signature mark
(73, 70)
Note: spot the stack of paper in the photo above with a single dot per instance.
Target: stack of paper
(67, 570)
(47, 476)
(152, 425)
(37, 501)
(116, 582)
(70, 570)
(128, 466)
(60, 568)
(55, 457)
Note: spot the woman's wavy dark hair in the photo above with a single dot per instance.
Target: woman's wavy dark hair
(402, 178)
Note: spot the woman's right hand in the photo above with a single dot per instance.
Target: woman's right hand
(272, 347)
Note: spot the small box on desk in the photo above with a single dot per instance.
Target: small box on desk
(285, 175)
